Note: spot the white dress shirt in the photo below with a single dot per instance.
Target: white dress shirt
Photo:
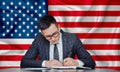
(60, 50)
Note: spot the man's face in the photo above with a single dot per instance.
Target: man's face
(52, 34)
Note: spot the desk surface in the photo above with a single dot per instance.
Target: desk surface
(55, 70)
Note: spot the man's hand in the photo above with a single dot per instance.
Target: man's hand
(70, 62)
(51, 63)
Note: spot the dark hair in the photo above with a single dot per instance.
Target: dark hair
(46, 21)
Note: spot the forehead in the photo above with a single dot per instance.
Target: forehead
(50, 30)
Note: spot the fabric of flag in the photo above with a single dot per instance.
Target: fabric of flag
(96, 22)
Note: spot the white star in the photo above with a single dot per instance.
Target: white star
(23, 7)
(3, 11)
(43, 11)
(8, 23)
(11, 19)
(28, 34)
(19, 19)
(3, 3)
(7, 15)
(3, 34)
(11, 35)
(23, 30)
(28, 27)
(3, 19)
(15, 23)
(8, 31)
(23, 23)
(31, 15)
(15, 15)
(7, 7)
(19, 27)
(19, 3)
(19, 34)
(3, 27)
(39, 7)
(19, 11)
(31, 23)
(39, 15)
(31, 7)
(11, 3)
(28, 11)
(31, 30)
(43, 3)
(23, 15)
(36, 19)
(28, 19)
(15, 7)
(11, 27)
(35, 27)
(15, 30)
(28, 3)
(36, 3)
(11, 11)
(35, 11)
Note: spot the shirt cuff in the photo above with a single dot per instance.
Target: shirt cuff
(43, 63)
(80, 63)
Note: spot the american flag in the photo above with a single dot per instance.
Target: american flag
(96, 22)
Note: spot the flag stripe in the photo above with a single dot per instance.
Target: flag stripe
(87, 46)
(85, 13)
(102, 46)
(87, 18)
(99, 63)
(85, 41)
(92, 30)
(84, 7)
(92, 52)
(84, 2)
(95, 57)
(99, 35)
(14, 46)
(90, 24)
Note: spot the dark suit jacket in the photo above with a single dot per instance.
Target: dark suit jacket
(40, 47)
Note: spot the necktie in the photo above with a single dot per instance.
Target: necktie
(56, 53)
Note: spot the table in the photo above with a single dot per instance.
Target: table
(55, 70)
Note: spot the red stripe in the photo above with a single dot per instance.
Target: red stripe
(109, 67)
(85, 13)
(102, 46)
(14, 46)
(10, 58)
(5, 67)
(99, 35)
(89, 24)
(106, 58)
(84, 2)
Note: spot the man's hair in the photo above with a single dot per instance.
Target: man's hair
(46, 21)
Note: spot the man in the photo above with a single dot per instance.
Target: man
(55, 47)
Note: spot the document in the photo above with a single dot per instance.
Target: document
(69, 67)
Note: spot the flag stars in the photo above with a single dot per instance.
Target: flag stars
(28, 34)
(7, 23)
(28, 27)
(19, 11)
(11, 11)
(19, 27)
(11, 35)
(36, 3)
(15, 30)
(28, 3)
(7, 7)
(11, 3)
(31, 7)
(15, 7)
(31, 23)
(3, 27)
(43, 3)
(28, 11)
(11, 27)
(3, 3)
(35, 11)
(15, 23)
(7, 31)
(23, 7)
(3, 19)
(3, 34)
(23, 23)
(43, 11)
(31, 30)
(39, 15)
(7, 15)
(11, 19)
(23, 31)
(28, 19)
(19, 34)
(36, 19)
(19, 19)
(31, 15)
(39, 7)
(23, 15)
(16, 15)
(3, 11)
(19, 3)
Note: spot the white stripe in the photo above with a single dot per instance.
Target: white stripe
(92, 30)
(104, 52)
(108, 63)
(100, 41)
(84, 7)
(98, 63)
(85, 41)
(12, 52)
(10, 63)
(92, 52)
(87, 18)
(16, 41)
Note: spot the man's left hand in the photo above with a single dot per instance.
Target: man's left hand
(70, 62)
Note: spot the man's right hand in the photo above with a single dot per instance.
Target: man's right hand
(51, 63)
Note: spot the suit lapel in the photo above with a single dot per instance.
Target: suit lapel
(47, 48)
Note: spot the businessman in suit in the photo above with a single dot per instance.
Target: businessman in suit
(55, 47)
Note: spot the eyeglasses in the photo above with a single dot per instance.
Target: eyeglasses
(54, 35)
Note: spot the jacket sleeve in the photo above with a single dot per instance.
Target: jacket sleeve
(82, 54)
(29, 59)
